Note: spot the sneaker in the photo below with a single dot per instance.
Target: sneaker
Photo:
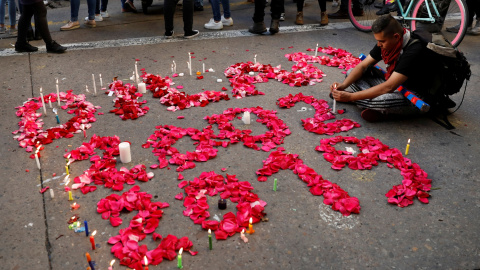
(169, 34)
(90, 23)
(54, 47)
(454, 29)
(130, 5)
(227, 22)
(26, 47)
(12, 32)
(70, 26)
(386, 9)
(282, 16)
(373, 116)
(98, 18)
(335, 3)
(193, 34)
(104, 14)
(212, 24)
(3, 29)
(474, 31)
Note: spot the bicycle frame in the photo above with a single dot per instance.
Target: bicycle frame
(410, 5)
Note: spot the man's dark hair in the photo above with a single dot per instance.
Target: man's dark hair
(388, 25)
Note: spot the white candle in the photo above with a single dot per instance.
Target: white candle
(203, 65)
(219, 80)
(255, 59)
(246, 118)
(190, 58)
(181, 74)
(94, 85)
(124, 149)
(86, 88)
(52, 195)
(50, 101)
(136, 72)
(101, 81)
(37, 160)
(43, 102)
(334, 106)
(58, 92)
(316, 49)
(189, 68)
(251, 73)
(174, 67)
(142, 88)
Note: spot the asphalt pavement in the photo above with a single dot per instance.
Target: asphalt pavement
(301, 232)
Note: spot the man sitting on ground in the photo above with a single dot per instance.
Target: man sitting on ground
(408, 64)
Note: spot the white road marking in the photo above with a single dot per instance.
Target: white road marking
(336, 219)
(115, 43)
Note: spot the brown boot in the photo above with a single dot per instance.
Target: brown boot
(324, 20)
(299, 19)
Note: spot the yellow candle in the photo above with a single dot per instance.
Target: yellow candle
(66, 169)
(70, 198)
(408, 147)
(250, 227)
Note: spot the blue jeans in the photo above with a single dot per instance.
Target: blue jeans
(216, 9)
(75, 6)
(12, 14)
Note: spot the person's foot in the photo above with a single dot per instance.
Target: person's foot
(373, 116)
(212, 24)
(340, 14)
(198, 8)
(192, 34)
(90, 23)
(456, 28)
(227, 22)
(130, 5)
(335, 4)
(54, 47)
(475, 31)
(70, 26)
(3, 30)
(391, 7)
(25, 47)
(274, 27)
(258, 28)
(169, 34)
(299, 18)
(12, 32)
(98, 18)
(282, 17)
(104, 14)
(324, 18)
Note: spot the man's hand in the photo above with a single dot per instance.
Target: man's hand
(342, 96)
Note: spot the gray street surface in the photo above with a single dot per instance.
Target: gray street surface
(301, 231)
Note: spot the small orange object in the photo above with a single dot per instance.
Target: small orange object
(199, 73)
(250, 227)
(89, 259)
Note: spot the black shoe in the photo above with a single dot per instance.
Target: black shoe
(198, 8)
(274, 27)
(26, 47)
(379, 4)
(386, 9)
(169, 34)
(54, 47)
(446, 102)
(192, 34)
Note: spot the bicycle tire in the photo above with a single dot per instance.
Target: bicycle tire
(363, 22)
(456, 14)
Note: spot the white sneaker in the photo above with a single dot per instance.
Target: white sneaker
(474, 31)
(282, 16)
(104, 14)
(214, 25)
(227, 22)
(98, 18)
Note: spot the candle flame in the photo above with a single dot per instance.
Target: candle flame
(94, 232)
(145, 260)
(243, 231)
(112, 262)
(251, 221)
(74, 204)
(408, 141)
(209, 231)
(181, 251)
(56, 79)
(41, 90)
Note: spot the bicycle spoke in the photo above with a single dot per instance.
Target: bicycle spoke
(363, 20)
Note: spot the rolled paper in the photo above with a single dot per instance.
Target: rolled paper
(142, 88)
(124, 149)
(246, 118)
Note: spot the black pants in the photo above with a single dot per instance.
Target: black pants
(473, 7)
(321, 3)
(38, 9)
(276, 7)
(169, 11)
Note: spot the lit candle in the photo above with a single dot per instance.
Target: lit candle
(408, 147)
(74, 206)
(334, 100)
(92, 239)
(179, 259)
(89, 260)
(243, 237)
(250, 227)
(111, 265)
(50, 101)
(316, 50)
(246, 118)
(275, 184)
(94, 85)
(203, 65)
(210, 239)
(86, 228)
(70, 197)
(145, 260)
(37, 159)
(58, 92)
(142, 88)
(86, 89)
(43, 102)
(124, 149)
(255, 59)
(56, 115)
(101, 86)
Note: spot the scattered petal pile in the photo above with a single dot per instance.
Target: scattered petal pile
(249, 204)
(414, 184)
(127, 105)
(341, 58)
